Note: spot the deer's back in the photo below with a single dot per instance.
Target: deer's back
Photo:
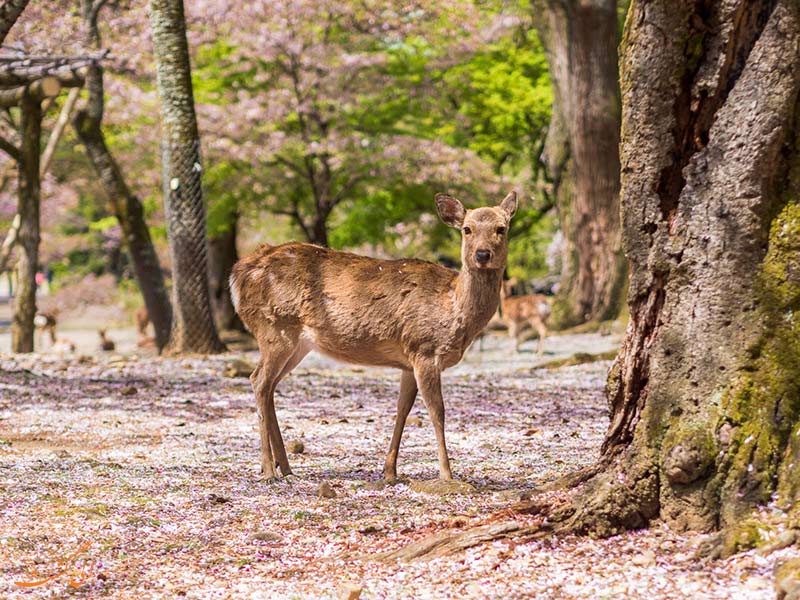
(526, 308)
(353, 307)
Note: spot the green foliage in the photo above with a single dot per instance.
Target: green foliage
(413, 99)
(504, 99)
(530, 235)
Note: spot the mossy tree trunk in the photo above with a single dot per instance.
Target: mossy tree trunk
(581, 42)
(193, 328)
(705, 392)
(125, 205)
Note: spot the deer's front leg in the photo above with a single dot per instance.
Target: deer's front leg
(429, 380)
(408, 393)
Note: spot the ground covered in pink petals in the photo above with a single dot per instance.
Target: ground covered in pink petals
(138, 478)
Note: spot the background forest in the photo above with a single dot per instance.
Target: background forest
(336, 126)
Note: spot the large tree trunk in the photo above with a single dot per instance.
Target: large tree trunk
(705, 393)
(222, 255)
(127, 208)
(10, 10)
(28, 194)
(193, 328)
(581, 41)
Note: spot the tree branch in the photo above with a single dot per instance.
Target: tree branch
(58, 129)
(294, 213)
(10, 11)
(46, 87)
(8, 243)
(288, 163)
(69, 70)
(10, 149)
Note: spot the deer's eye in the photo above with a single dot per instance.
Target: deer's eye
(467, 230)
(501, 230)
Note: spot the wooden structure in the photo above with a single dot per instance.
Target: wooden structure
(25, 83)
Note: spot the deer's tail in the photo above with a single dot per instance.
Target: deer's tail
(239, 272)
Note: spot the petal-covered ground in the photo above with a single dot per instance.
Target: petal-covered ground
(138, 478)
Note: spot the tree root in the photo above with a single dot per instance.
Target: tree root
(451, 542)
(599, 502)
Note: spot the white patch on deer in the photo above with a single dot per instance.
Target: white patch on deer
(234, 292)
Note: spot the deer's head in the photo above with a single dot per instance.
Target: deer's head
(484, 231)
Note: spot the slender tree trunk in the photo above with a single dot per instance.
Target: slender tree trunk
(127, 208)
(222, 255)
(581, 41)
(10, 10)
(704, 393)
(28, 194)
(193, 328)
(319, 230)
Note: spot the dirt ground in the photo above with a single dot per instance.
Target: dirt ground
(137, 477)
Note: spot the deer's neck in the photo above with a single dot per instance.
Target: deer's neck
(477, 296)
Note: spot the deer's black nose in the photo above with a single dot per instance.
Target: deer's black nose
(483, 256)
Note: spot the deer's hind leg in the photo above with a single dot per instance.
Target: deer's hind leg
(276, 439)
(542, 331)
(278, 351)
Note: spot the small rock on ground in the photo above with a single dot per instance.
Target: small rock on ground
(238, 368)
(266, 536)
(326, 491)
(645, 559)
(295, 447)
(350, 592)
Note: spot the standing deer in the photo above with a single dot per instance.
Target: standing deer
(519, 311)
(410, 314)
(45, 322)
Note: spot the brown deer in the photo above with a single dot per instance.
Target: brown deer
(106, 343)
(142, 319)
(413, 315)
(45, 322)
(519, 311)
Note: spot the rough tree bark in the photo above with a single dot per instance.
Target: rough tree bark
(222, 255)
(125, 205)
(193, 328)
(705, 393)
(581, 43)
(28, 197)
(10, 10)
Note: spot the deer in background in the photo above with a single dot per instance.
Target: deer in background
(142, 319)
(519, 311)
(412, 315)
(45, 321)
(106, 343)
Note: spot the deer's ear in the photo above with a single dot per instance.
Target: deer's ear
(509, 204)
(450, 210)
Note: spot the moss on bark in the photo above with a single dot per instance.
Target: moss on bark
(760, 410)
